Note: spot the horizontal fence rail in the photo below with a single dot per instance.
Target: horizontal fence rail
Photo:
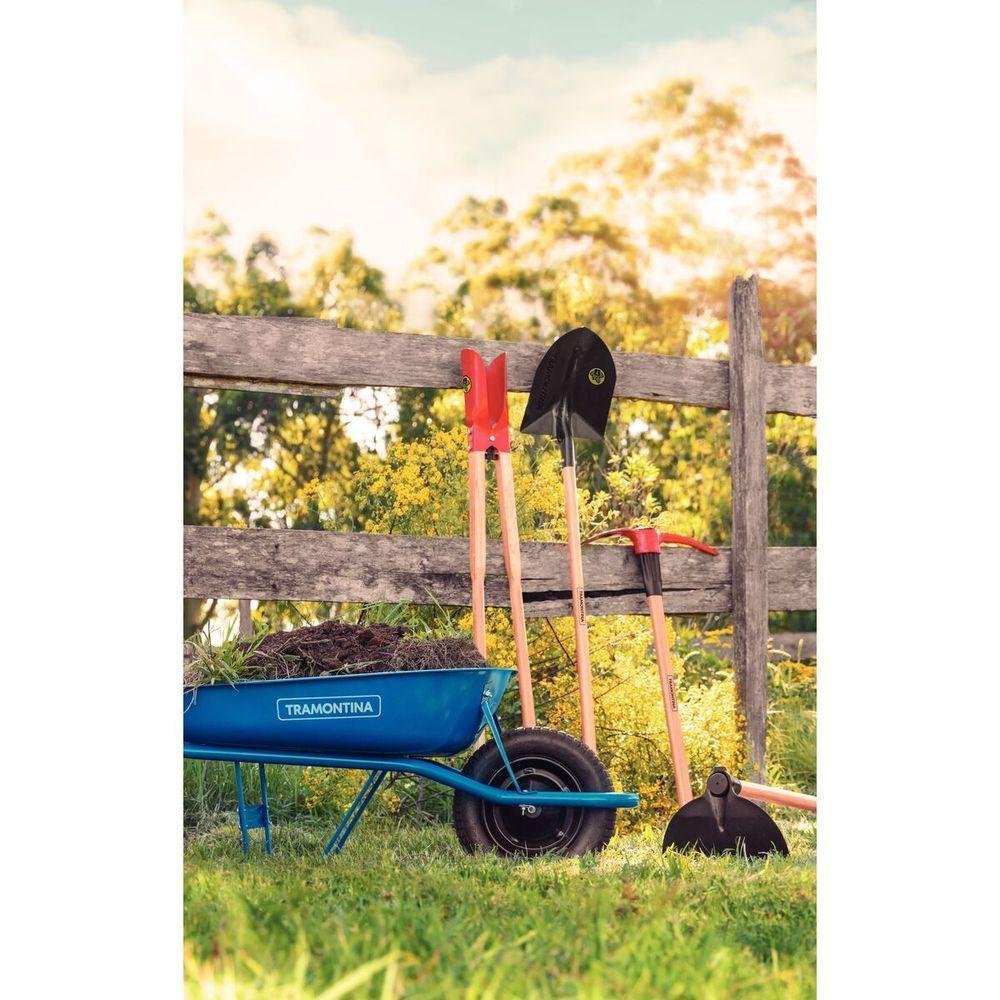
(274, 564)
(316, 357)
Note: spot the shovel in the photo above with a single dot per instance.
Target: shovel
(570, 397)
(489, 437)
(722, 819)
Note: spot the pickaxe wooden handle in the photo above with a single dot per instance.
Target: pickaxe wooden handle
(646, 544)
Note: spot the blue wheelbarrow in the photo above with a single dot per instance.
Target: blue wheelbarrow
(526, 792)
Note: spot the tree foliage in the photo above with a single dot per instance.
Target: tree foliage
(641, 243)
(258, 459)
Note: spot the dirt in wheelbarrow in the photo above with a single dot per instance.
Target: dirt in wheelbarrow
(334, 647)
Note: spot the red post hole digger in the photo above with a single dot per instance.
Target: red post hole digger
(721, 819)
(489, 437)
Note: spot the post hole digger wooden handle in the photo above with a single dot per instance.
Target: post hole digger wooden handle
(477, 547)
(512, 560)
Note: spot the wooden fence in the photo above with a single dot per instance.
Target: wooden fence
(314, 357)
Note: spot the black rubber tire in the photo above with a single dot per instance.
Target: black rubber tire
(543, 759)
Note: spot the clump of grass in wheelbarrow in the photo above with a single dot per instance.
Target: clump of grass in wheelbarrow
(233, 659)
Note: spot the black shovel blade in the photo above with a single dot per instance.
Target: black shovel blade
(721, 822)
(572, 388)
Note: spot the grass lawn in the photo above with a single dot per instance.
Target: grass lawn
(403, 912)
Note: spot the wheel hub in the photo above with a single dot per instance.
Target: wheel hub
(530, 829)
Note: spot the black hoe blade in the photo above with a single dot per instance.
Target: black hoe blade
(571, 391)
(721, 821)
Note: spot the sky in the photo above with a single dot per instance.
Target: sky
(377, 117)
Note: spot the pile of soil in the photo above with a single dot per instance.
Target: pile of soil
(343, 648)
(329, 648)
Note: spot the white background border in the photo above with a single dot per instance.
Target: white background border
(908, 497)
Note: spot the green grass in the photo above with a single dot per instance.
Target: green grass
(403, 912)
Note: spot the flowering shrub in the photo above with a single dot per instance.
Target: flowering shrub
(330, 791)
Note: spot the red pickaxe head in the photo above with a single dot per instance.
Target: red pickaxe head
(485, 401)
(650, 540)
(646, 544)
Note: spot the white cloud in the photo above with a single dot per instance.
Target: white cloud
(292, 120)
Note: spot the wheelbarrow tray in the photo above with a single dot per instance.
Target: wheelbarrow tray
(430, 713)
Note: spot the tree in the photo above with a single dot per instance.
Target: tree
(257, 458)
(641, 241)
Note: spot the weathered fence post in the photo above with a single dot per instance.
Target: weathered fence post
(246, 620)
(749, 474)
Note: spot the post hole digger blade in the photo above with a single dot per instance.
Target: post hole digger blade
(570, 397)
(489, 436)
(721, 819)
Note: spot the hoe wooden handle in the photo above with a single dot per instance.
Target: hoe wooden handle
(477, 546)
(776, 796)
(589, 731)
(512, 560)
(668, 685)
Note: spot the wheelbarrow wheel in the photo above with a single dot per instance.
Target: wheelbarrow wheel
(543, 760)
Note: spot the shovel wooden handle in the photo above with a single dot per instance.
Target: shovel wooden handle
(668, 685)
(777, 796)
(477, 547)
(512, 560)
(581, 638)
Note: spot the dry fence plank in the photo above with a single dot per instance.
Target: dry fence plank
(749, 475)
(316, 357)
(265, 564)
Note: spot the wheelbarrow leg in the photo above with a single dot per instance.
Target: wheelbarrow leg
(255, 817)
(353, 814)
(265, 810)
